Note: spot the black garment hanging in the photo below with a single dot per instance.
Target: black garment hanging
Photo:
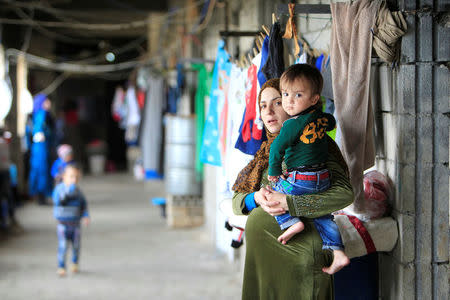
(274, 66)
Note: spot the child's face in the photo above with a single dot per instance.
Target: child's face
(68, 157)
(70, 176)
(297, 96)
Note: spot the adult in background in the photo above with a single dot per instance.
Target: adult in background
(273, 270)
(42, 143)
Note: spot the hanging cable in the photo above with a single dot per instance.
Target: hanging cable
(27, 39)
(72, 68)
(97, 26)
(55, 84)
(26, 20)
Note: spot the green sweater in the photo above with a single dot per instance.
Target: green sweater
(301, 141)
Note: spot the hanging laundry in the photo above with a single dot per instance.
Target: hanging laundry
(290, 31)
(223, 117)
(133, 116)
(173, 93)
(210, 150)
(142, 77)
(204, 79)
(351, 48)
(250, 99)
(327, 90)
(319, 62)
(274, 66)
(246, 143)
(390, 26)
(141, 98)
(151, 135)
(118, 109)
(258, 123)
(172, 100)
(302, 59)
(235, 160)
(264, 54)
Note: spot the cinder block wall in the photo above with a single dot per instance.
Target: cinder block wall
(413, 150)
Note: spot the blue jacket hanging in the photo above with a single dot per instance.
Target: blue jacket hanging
(210, 150)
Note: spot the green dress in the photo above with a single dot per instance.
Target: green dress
(292, 271)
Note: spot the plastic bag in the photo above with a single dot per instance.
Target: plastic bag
(377, 193)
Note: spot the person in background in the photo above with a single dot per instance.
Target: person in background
(69, 209)
(8, 187)
(41, 136)
(65, 157)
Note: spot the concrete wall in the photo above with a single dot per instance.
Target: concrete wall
(413, 150)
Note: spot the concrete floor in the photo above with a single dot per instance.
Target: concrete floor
(127, 252)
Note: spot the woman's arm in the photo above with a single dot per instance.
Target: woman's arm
(243, 203)
(238, 201)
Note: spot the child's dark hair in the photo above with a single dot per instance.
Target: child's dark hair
(305, 71)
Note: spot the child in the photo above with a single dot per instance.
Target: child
(65, 157)
(70, 207)
(303, 144)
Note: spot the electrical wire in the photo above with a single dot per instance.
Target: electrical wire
(55, 84)
(98, 26)
(327, 25)
(27, 39)
(25, 19)
(72, 68)
(135, 44)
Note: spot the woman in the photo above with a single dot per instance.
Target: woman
(273, 270)
(40, 181)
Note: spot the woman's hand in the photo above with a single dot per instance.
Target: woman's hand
(269, 205)
(280, 198)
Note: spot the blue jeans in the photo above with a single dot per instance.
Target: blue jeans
(68, 233)
(325, 225)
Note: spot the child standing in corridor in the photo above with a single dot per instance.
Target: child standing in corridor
(70, 208)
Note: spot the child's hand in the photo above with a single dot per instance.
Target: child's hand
(272, 178)
(86, 221)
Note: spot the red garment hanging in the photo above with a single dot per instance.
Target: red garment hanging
(250, 103)
(141, 98)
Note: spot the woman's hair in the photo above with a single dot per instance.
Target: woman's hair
(271, 83)
(249, 179)
(304, 71)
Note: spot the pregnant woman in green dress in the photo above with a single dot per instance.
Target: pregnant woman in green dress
(273, 270)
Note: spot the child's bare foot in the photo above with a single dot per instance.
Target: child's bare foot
(340, 260)
(290, 232)
(61, 272)
(74, 268)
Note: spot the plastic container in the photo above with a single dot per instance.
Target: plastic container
(179, 159)
(97, 164)
(181, 181)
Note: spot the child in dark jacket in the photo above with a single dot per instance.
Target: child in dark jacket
(70, 208)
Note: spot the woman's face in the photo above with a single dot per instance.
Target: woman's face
(272, 112)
